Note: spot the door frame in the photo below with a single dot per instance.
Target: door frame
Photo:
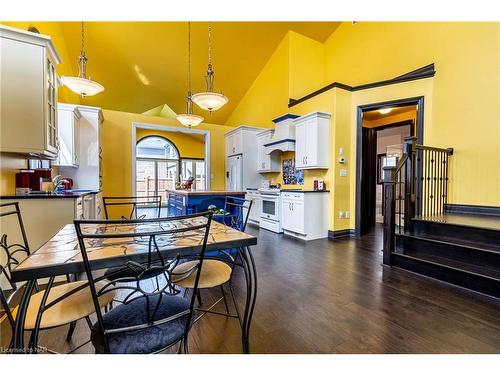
(174, 129)
(419, 102)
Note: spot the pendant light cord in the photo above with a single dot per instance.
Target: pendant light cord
(209, 43)
(83, 41)
(189, 58)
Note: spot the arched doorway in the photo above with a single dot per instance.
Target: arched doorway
(157, 166)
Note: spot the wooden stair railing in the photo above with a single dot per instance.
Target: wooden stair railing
(416, 186)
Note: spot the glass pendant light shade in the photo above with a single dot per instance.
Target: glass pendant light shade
(210, 100)
(189, 118)
(82, 85)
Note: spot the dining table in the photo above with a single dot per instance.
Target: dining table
(61, 256)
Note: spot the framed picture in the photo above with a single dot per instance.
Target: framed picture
(291, 176)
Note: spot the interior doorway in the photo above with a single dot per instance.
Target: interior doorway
(163, 157)
(382, 128)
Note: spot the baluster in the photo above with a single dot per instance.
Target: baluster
(446, 167)
(410, 172)
(389, 214)
(441, 172)
(433, 182)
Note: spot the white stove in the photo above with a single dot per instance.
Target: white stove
(270, 216)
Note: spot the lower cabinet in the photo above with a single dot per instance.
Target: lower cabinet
(176, 205)
(305, 215)
(256, 209)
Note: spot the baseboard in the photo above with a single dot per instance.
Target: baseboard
(472, 209)
(343, 233)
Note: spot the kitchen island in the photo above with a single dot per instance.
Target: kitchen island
(185, 202)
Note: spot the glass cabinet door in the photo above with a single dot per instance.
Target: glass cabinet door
(51, 107)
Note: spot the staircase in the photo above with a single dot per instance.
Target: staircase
(459, 249)
(421, 236)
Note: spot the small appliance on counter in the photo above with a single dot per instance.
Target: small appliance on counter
(23, 181)
(319, 185)
(29, 180)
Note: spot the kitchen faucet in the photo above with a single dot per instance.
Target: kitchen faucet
(58, 182)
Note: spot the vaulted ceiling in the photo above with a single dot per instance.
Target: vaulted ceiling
(143, 65)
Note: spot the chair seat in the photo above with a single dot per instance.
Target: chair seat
(116, 273)
(146, 340)
(119, 272)
(74, 307)
(213, 273)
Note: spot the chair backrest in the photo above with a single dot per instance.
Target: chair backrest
(156, 238)
(236, 212)
(150, 206)
(11, 254)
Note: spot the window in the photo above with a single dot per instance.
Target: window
(157, 165)
(194, 168)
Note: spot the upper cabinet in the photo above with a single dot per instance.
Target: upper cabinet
(312, 141)
(69, 135)
(266, 162)
(234, 143)
(28, 88)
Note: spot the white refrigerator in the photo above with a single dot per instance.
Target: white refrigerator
(234, 173)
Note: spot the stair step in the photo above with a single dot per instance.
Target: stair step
(474, 245)
(478, 262)
(470, 230)
(450, 271)
(468, 255)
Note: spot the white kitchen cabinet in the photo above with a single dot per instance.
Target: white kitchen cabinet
(256, 209)
(241, 159)
(312, 141)
(28, 88)
(293, 212)
(234, 143)
(305, 214)
(69, 135)
(266, 162)
(88, 173)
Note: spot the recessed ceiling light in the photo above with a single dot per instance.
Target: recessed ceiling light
(384, 111)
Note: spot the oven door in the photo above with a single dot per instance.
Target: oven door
(270, 207)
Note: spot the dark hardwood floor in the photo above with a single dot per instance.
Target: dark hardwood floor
(335, 297)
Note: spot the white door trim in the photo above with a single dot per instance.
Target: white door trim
(205, 133)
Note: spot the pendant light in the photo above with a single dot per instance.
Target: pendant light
(81, 85)
(210, 100)
(189, 119)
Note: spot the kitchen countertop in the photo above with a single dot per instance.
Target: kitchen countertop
(73, 195)
(205, 192)
(304, 191)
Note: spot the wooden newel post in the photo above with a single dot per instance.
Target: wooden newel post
(410, 171)
(389, 213)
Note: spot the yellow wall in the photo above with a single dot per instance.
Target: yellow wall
(306, 59)
(189, 145)
(267, 97)
(116, 144)
(462, 102)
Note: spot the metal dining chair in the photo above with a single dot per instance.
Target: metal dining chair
(150, 203)
(56, 305)
(149, 319)
(218, 267)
